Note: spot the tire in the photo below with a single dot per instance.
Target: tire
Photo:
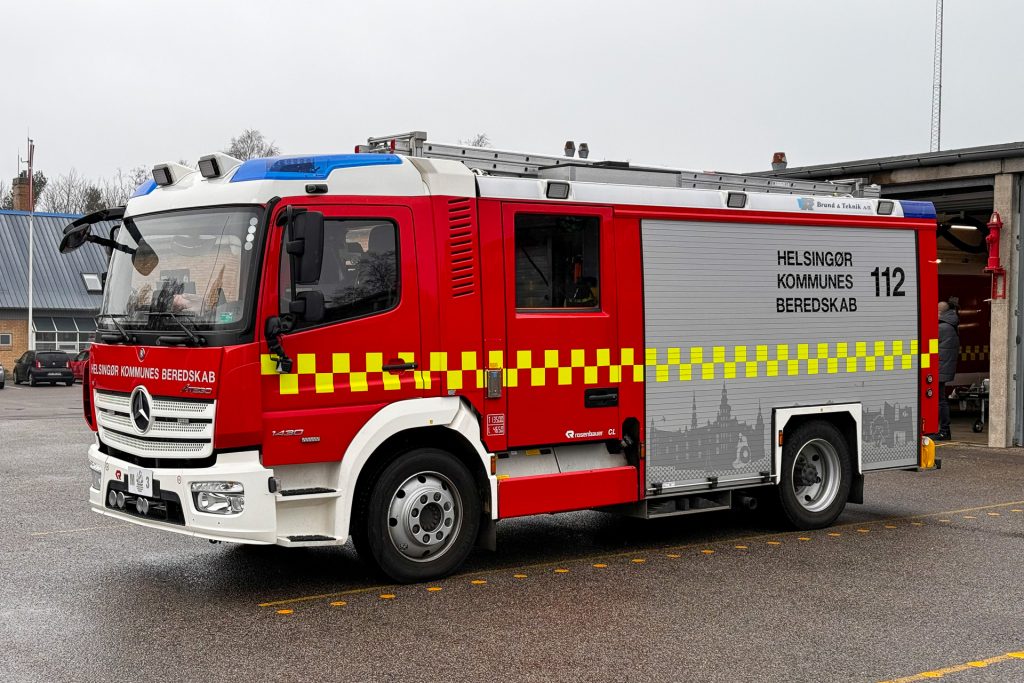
(16, 380)
(423, 484)
(816, 476)
(70, 384)
(31, 381)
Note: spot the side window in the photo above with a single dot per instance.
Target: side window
(557, 262)
(359, 275)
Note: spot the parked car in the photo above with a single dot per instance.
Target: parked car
(3, 375)
(78, 364)
(36, 367)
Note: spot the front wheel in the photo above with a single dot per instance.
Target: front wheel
(816, 475)
(421, 518)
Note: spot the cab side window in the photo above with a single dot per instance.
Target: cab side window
(359, 275)
(557, 262)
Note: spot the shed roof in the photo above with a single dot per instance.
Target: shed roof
(57, 278)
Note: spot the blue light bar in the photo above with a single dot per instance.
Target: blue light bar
(912, 209)
(307, 168)
(145, 188)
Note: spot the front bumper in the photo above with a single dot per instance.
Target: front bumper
(256, 524)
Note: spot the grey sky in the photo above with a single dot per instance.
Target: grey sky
(712, 85)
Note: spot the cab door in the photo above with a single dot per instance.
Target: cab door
(563, 366)
(364, 354)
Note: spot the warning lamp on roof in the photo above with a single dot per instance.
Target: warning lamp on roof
(170, 173)
(217, 164)
(584, 151)
(570, 148)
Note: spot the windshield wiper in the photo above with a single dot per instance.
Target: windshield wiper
(197, 340)
(113, 318)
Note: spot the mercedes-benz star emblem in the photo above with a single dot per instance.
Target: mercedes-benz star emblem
(142, 354)
(141, 410)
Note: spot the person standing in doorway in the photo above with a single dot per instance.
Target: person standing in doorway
(949, 352)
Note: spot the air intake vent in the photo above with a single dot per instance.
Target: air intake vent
(462, 246)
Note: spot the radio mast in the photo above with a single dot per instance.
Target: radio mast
(937, 82)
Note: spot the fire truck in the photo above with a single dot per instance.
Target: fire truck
(406, 344)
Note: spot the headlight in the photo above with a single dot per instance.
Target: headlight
(218, 497)
(95, 471)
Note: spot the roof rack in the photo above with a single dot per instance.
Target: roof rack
(487, 161)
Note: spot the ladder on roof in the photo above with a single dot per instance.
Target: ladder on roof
(486, 161)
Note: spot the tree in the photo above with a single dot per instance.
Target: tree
(478, 140)
(92, 199)
(65, 193)
(5, 195)
(119, 188)
(251, 145)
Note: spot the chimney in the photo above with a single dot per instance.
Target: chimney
(779, 162)
(20, 190)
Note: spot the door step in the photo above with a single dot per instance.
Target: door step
(307, 540)
(306, 494)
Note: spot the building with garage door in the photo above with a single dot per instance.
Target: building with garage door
(67, 289)
(966, 185)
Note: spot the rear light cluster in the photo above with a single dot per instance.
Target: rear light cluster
(39, 364)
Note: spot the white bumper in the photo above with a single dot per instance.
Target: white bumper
(257, 523)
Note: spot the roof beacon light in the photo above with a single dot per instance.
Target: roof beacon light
(217, 164)
(736, 200)
(170, 173)
(570, 148)
(885, 207)
(584, 150)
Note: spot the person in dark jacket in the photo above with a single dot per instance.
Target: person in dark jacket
(949, 352)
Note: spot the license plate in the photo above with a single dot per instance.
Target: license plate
(53, 374)
(140, 482)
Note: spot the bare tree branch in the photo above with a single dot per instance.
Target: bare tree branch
(251, 145)
(478, 140)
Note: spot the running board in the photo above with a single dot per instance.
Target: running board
(307, 540)
(674, 506)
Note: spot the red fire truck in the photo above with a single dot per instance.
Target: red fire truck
(406, 344)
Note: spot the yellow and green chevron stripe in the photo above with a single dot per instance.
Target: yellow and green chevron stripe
(328, 373)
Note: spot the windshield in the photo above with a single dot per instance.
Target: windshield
(194, 268)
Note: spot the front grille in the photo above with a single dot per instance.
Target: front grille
(180, 428)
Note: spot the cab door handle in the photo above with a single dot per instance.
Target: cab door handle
(600, 398)
(398, 367)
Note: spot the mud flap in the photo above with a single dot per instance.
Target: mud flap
(857, 490)
(487, 538)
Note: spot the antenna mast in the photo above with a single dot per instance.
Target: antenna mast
(937, 82)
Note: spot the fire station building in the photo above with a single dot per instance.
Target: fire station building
(67, 289)
(967, 186)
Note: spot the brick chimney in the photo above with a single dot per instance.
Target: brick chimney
(20, 190)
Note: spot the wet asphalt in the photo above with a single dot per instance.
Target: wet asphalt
(926, 579)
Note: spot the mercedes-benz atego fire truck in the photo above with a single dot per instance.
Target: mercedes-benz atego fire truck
(407, 344)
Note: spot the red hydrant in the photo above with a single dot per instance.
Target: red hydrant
(995, 224)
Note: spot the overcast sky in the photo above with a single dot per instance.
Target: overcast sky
(711, 84)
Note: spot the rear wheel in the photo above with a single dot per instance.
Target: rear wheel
(421, 518)
(31, 381)
(70, 383)
(816, 476)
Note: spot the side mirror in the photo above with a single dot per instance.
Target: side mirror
(74, 238)
(308, 305)
(144, 259)
(306, 246)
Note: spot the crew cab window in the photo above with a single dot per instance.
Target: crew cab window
(557, 262)
(359, 275)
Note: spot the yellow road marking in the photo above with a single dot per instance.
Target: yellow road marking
(75, 531)
(285, 611)
(740, 547)
(863, 531)
(674, 556)
(561, 570)
(600, 565)
(708, 551)
(1016, 510)
(387, 596)
(890, 526)
(638, 560)
(478, 582)
(803, 538)
(976, 664)
(434, 589)
(338, 603)
(519, 576)
(774, 542)
(969, 517)
(834, 533)
(992, 514)
(608, 556)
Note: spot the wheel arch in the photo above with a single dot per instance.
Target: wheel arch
(445, 423)
(846, 417)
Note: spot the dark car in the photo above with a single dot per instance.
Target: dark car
(36, 367)
(78, 364)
